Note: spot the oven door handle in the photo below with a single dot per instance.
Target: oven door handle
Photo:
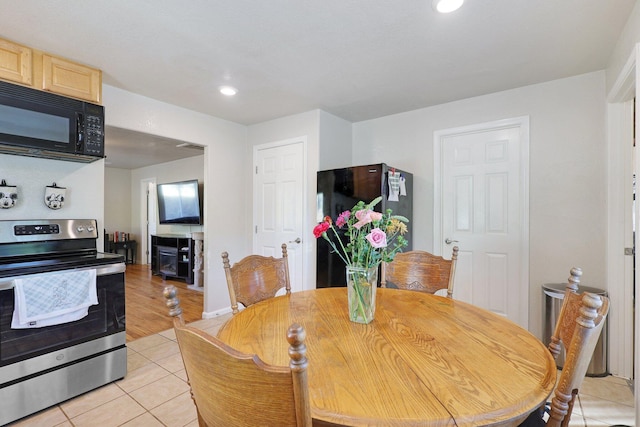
(7, 283)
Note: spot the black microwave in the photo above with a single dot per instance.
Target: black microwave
(42, 124)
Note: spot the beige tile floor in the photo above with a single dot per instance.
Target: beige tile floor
(155, 393)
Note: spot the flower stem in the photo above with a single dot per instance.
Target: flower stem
(356, 287)
(335, 249)
(361, 308)
(342, 246)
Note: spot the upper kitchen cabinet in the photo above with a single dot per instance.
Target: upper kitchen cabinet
(68, 78)
(41, 70)
(16, 63)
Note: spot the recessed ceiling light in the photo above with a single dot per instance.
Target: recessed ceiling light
(228, 90)
(446, 6)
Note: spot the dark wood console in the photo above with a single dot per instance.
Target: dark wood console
(129, 247)
(172, 257)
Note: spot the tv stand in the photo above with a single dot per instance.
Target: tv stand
(172, 256)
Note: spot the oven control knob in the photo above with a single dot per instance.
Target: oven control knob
(80, 229)
(60, 357)
(90, 228)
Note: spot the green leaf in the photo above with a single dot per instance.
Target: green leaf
(374, 202)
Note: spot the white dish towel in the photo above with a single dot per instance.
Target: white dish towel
(53, 298)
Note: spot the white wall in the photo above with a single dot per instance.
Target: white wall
(179, 170)
(117, 201)
(622, 85)
(625, 46)
(567, 171)
(124, 203)
(328, 140)
(84, 183)
(225, 169)
(299, 125)
(335, 143)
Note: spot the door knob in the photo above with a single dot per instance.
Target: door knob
(448, 241)
(298, 240)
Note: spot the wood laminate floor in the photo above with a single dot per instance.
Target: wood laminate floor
(146, 311)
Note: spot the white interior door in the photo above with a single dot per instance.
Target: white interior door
(483, 205)
(279, 203)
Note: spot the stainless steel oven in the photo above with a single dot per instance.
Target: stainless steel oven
(43, 366)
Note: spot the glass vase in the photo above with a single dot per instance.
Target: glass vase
(361, 291)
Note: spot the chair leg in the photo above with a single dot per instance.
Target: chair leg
(567, 418)
(559, 409)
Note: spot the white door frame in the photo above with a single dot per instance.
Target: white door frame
(146, 203)
(523, 124)
(304, 245)
(622, 165)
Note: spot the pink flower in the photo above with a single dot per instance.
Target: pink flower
(343, 218)
(365, 216)
(320, 229)
(377, 238)
(376, 216)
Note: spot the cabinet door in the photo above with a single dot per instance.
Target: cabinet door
(71, 79)
(185, 259)
(16, 63)
(154, 255)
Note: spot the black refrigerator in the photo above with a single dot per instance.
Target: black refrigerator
(340, 189)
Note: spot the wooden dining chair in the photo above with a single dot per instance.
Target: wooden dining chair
(565, 325)
(231, 388)
(582, 317)
(256, 278)
(420, 271)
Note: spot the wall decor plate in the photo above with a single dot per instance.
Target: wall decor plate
(8, 195)
(54, 196)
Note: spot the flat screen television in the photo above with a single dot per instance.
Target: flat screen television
(179, 203)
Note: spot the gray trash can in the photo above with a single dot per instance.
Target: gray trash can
(553, 297)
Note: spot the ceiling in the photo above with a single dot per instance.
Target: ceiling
(126, 149)
(356, 59)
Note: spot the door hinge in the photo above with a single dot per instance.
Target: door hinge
(256, 170)
(629, 251)
(256, 227)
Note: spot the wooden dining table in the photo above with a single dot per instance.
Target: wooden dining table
(424, 360)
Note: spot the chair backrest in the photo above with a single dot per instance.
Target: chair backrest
(569, 311)
(420, 271)
(591, 312)
(256, 278)
(231, 388)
